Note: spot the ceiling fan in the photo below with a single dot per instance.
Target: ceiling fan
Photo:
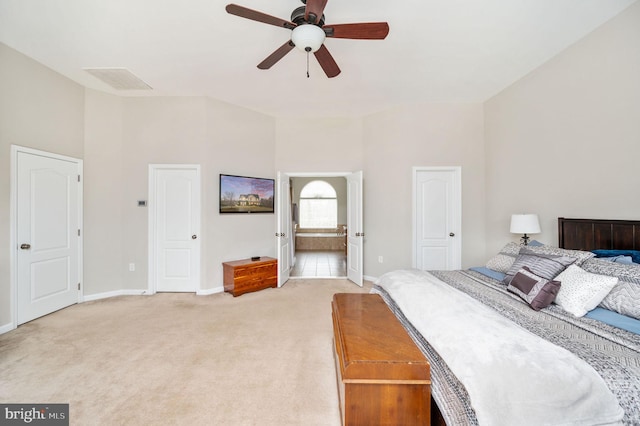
(308, 32)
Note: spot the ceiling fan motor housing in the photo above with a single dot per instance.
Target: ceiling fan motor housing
(297, 17)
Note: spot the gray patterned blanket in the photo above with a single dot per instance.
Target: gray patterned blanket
(613, 353)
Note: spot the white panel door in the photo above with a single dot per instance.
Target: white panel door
(355, 232)
(177, 225)
(437, 220)
(48, 217)
(284, 234)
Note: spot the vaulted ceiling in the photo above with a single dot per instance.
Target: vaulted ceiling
(436, 50)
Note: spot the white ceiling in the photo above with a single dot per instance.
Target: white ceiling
(436, 51)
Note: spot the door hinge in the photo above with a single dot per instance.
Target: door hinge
(78, 178)
(78, 286)
(78, 232)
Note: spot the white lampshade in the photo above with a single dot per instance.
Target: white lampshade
(525, 224)
(308, 37)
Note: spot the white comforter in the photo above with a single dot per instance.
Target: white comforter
(512, 376)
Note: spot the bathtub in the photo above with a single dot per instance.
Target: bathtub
(320, 241)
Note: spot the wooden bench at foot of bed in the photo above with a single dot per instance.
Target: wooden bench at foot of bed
(383, 378)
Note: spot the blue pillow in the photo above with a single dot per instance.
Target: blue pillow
(627, 260)
(615, 319)
(635, 254)
(488, 272)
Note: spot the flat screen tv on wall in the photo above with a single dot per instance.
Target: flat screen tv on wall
(242, 194)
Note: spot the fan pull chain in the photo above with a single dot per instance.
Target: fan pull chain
(307, 64)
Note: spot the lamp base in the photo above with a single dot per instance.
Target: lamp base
(524, 240)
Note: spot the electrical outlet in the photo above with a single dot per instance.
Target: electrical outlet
(380, 259)
(132, 267)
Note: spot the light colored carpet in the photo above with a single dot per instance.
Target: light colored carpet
(263, 358)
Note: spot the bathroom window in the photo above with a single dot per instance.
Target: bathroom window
(318, 205)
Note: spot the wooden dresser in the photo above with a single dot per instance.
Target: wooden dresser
(383, 378)
(246, 275)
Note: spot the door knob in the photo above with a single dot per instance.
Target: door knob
(194, 236)
(25, 246)
(451, 234)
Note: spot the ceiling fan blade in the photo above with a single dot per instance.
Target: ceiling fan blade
(254, 15)
(276, 56)
(363, 31)
(314, 9)
(327, 62)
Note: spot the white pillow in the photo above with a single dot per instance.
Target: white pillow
(581, 291)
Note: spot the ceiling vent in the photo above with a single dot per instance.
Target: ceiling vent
(119, 78)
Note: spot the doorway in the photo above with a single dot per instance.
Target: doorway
(319, 223)
(174, 228)
(318, 243)
(46, 237)
(437, 223)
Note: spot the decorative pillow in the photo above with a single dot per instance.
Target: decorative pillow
(625, 296)
(635, 254)
(582, 291)
(629, 273)
(545, 266)
(624, 299)
(536, 291)
(580, 255)
(505, 258)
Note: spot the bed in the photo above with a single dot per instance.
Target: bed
(509, 343)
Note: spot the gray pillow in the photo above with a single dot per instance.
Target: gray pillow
(502, 261)
(580, 255)
(624, 298)
(545, 266)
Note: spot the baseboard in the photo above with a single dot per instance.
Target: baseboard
(372, 279)
(6, 328)
(99, 296)
(92, 297)
(210, 291)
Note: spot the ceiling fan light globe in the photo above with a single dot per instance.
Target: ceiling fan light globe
(308, 37)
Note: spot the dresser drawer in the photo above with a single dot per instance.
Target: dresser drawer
(256, 271)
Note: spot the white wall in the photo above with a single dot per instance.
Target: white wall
(238, 142)
(420, 135)
(38, 109)
(319, 145)
(386, 146)
(104, 180)
(565, 140)
(187, 130)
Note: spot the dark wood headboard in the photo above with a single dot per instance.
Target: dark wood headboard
(593, 234)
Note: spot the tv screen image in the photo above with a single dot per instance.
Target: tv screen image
(242, 194)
